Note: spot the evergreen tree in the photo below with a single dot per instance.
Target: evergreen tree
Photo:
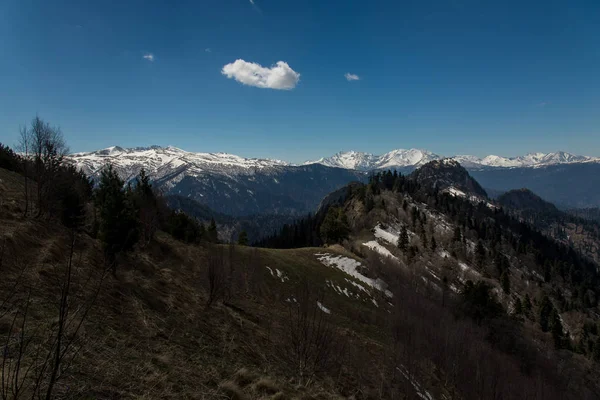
(243, 238)
(118, 222)
(527, 306)
(433, 244)
(211, 233)
(546, 310)
(518, 307)
(457, 237)
(403, 239)
(146, 204)
(596, 354)
(480, 254)
(369, 198)
(557, 330)
(505, 281)
(335, 226)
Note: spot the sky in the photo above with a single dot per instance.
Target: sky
(299, 80)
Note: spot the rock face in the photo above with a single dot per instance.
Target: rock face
(448, 173)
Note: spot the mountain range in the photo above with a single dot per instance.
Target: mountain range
(416, 157)
(238, 186)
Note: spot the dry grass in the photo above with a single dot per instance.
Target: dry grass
(266, 385)
(232, 391)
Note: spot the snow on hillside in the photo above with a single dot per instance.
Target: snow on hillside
(351, 267)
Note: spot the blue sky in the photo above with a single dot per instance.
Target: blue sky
(454, 77)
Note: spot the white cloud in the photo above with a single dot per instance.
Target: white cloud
(279, 76)
(149, 57)
(351, 77)
(208, 50)
(252, 2)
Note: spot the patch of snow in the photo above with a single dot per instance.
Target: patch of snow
(386, 234)
(375, 246)
(281, 275)
(323, 308)
(421, 392)
(350, 266)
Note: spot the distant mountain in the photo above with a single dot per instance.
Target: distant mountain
(568, 228)
(367, 162)
(525, 200)
(236, 186)
(414, 157)
(225, 183)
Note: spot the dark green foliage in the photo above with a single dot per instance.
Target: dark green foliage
(557, 329)
(596, 354)
(457, 236)
(369, 201)
(527, 306)
(480, 255)
(146, 205)
(518, 307)
(403, 239)
(478, 301)
(335, 226)
(211, 232)
(505, 282)
(9, 159)
(68, 196)
(119, 225)
(243, 238)
(184, 228)
(546, 311)
(433, 244)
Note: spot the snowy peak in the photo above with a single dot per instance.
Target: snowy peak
(160, 161)
(415, 158)
(365, 161)
(349, 160)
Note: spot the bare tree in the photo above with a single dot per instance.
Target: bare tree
(48, 149)
(311, 340)
(215, 274)
(37, 355)
(24, 147)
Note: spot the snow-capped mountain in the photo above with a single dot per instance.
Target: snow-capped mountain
(236, 185)
(161, 161)
(366, 161)
(415, 158)
(224, 182)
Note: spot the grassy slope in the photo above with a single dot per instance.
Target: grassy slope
(150, 334)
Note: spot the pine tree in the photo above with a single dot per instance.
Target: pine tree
(211, 233)
(243, 238)
(403, 239)
(335, 228)
(518, 307)
(480, 254)
(457, 237)
(433, 244)
(596, 354)
(505, 281)
(118, 229)
(546, 310)
(527, 306)
(369, 198)
(557, 329)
